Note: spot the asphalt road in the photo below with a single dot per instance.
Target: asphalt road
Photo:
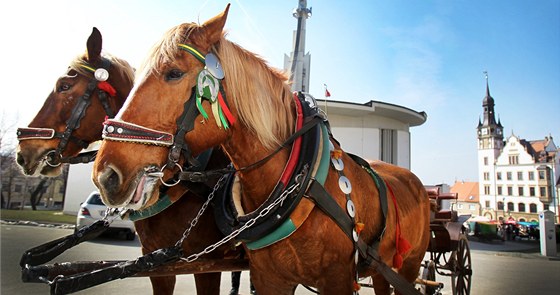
(494, 271)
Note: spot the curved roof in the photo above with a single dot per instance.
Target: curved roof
(377, 108)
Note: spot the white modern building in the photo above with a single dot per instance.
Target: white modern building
(517, 178)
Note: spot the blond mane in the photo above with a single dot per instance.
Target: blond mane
(124, 67)
(259, 93)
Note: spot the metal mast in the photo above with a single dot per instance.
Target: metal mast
(298, 63)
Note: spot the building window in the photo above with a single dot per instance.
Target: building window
(499, 175)
(521, 191)
(521, 207)
(487, 190)
(510, 191)
(513, 160)
(543, 191)
(542, 175)
(508, 175)
(486, 175)
(531, 175)
(459, 206)
(487, 204)
(499, 190)
(17, 188)
(531, 191)
(533, 208)
(485, 161)
(472, 207)
(388, 145)
(519, 175)
(500, 205)
(510, 207)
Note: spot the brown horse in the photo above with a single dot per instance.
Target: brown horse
(156, 232)
(251, 114)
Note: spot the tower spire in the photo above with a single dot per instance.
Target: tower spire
(298, 63)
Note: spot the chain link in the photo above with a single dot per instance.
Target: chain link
(249, 223)
(201, 211)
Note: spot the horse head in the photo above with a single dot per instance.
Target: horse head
(94, 86)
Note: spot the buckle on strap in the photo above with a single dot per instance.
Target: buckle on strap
(123, 131)
(35, 133)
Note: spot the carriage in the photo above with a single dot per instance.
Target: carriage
(327, 218)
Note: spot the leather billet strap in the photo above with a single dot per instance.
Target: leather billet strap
(116, 130)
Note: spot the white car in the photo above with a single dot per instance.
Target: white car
(93, 210)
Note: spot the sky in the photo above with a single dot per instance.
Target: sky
(425, 55)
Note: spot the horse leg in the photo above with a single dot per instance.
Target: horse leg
(410, 269)
(163, 285)
(380, 285)
(267, 285)
(208, 283)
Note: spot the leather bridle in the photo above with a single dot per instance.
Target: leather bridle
(54, 158)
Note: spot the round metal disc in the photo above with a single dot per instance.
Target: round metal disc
(354, 235)
(338, 164)
(351, 208)
(101, 75)
(345, 185)
(214, 67)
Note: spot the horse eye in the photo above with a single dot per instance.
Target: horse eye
(63, 87)
(173, 74)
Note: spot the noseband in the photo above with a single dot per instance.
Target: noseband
(54, 158)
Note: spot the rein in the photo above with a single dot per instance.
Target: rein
(54, 158)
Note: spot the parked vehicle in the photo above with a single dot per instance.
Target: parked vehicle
(93, 210)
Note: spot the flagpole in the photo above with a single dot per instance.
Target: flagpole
(327, 94)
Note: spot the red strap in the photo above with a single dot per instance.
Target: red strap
(296, 147)
(225, 109)
(105, 86)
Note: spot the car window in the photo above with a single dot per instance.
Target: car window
(95, 200)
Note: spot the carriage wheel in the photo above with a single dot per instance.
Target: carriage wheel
(429, 273)
(462, 274)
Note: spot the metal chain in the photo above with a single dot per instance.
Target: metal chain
(249, 223)
(201, 211)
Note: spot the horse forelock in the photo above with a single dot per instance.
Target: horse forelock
(125, 69)
(259, 93)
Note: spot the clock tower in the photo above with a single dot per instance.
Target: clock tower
(490, 143)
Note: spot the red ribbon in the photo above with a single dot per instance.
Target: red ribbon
(225, 109)
(105, 86)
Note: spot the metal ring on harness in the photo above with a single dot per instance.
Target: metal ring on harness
(47, 157)
(177, 181)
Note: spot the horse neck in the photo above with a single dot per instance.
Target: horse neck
(258, 182)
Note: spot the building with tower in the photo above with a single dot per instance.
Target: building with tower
(299, 62)
(517, 178)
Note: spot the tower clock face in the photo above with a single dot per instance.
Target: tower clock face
(499, 131)
(484, 131)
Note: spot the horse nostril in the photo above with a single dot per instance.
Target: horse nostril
(20, 159)
(110, 181)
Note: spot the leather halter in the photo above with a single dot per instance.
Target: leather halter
(54, 158)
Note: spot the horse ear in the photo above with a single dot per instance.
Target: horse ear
(94, 45)
(215, 26)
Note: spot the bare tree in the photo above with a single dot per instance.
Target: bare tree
(8, 139)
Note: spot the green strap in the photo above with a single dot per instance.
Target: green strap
(156, 208)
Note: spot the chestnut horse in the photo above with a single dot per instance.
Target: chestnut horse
(247, 108)
(156, 232)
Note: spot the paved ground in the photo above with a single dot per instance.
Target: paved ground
(513, 268)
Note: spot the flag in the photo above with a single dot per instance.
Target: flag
(327, 93)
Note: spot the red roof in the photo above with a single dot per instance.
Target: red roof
(466, 191)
